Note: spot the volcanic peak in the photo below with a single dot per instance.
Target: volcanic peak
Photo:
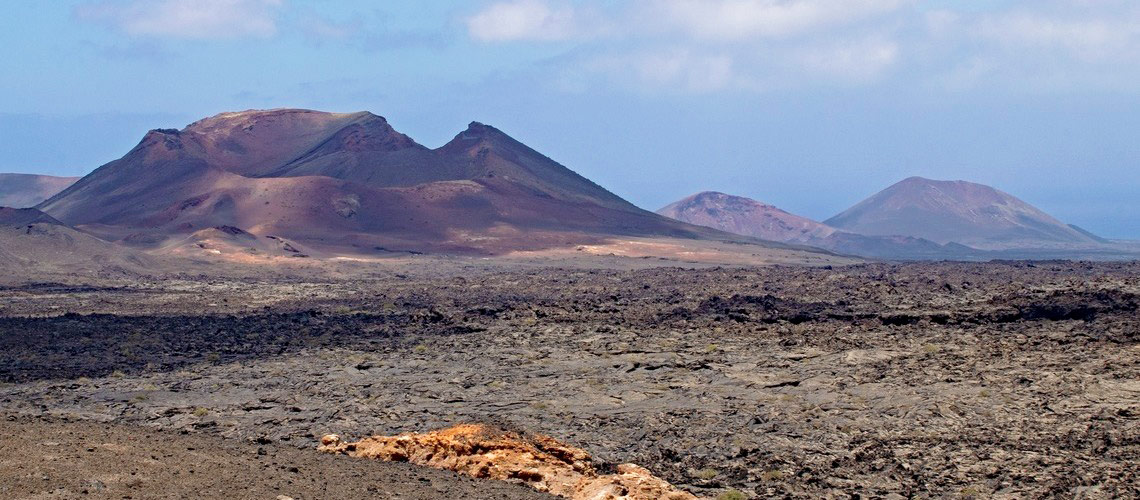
(955, 211)
(346, 181)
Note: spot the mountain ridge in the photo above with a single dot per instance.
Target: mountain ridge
(349, 181)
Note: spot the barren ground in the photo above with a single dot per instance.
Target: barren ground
(58, 459)
(916, 380)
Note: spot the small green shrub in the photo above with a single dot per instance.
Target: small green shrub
(201, 412)
(706, 474)
(732, 495)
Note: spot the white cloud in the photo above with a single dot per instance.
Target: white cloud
(708, 20)
(1088, 38)
(318, 29)
(684, 69)
(1045, 46)
(853, 61)
(729, 20)
(751, 68)
(526, 20)
(700, 46)
(665, 70)
(942, 23)
(192, 19)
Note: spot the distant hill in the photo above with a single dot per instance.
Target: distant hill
(957, 211)
(28, 190)
(347, 183)
(740, 215)
(30, 239)
(749, 217)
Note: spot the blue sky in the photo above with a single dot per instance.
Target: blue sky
(811, 105)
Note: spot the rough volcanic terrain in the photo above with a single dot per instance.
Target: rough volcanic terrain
(49, 458)
(1004, 379)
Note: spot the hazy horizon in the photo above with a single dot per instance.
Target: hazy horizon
(809, 105)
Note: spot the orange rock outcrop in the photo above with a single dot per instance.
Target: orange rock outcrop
(541, 462)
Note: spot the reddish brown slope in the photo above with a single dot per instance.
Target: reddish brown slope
(349, 182)
(28, 190)
(740, 215)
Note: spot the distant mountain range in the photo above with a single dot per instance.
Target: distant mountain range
(916, 218)
(749, 217)
(29, 190)
(345, 183)
(291, 182)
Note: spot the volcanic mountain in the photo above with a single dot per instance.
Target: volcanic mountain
(740, 215)
(28, 190)
(347, 183)
(957, 211)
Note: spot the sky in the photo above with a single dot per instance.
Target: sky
(811, 105)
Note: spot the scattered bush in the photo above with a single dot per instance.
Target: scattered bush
(772, 475)
(706, 474)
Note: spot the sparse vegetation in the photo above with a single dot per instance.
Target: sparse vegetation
(970, 492)
(200, 412)
(732, 495)
(705, 474)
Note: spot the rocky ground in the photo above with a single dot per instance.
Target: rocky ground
(1003, 379)
(57, 459)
